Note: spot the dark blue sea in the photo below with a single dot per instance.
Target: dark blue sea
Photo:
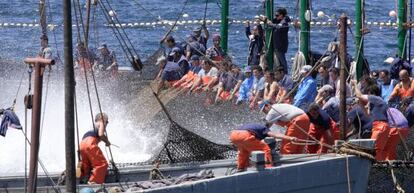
(19, 42)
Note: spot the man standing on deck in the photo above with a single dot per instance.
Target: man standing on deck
(84, 57)
(200, 38)
(215, 52)
(307, 89)
(93, 161)
(280, 26)
(248, 138)
(295, 120)
(46, 51)
(377, 109)
(256, 43)
(106, 60)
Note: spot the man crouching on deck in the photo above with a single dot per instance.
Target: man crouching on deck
(92, 157)
(248, 138)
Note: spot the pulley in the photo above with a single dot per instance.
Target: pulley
(28, 101)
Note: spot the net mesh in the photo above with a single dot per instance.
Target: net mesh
(183, 145)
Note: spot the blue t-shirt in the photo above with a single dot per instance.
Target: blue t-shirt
(409, 114)
(377, 108)
(91, 133)
(332, 108)
(323, 121)
(360, 120)
(260, 131)
(386, 89)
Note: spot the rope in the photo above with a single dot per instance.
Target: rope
(117, 35)
(397, 185)
(54, 186)
(175, 23)
(44, 105)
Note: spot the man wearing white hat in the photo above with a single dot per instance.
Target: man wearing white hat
(306, 93)
(295, 120)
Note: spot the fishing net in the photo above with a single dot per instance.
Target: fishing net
(381, 180)
(185, 146)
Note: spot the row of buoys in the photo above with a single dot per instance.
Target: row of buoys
(208, 22)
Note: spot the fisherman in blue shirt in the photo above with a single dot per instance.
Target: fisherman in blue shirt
(386, 84)
(307, 89)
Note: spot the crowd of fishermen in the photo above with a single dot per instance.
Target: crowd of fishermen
(307, 107)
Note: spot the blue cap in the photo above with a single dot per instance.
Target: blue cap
(195, 57)
(175, 50)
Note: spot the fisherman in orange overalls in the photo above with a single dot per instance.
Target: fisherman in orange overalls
(93, 161)
(322, 128)
(377, 109)
(295, 120)
(249, 138)
(398, 131)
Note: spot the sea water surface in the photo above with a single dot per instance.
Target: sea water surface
(17, 43)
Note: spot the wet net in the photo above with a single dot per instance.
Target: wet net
(183, 145)
(381, 179)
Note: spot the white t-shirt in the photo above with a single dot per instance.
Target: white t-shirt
(283, 112)
(213, 72)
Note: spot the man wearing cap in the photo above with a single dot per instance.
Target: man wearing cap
(377, 109)
(199, 38)
(256, 44)
(171, 71)
(307, 89)
(285, 86)
(280, 26)
(106, 60)
(328, 101)
(180, 59)
(215, 52)
(295, 120)
(246, 85)
(188, 78)
(322, 128)
(398, 131)
(248, 138)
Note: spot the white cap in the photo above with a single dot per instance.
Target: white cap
(306, 68)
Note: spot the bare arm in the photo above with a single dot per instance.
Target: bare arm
(101, 133)
(281, 136)
(358, 92)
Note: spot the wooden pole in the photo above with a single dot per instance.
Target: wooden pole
(343, 74)
(39, 66)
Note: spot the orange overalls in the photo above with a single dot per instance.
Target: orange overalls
(319, 133)
(380, 132)
(403, 92)
(392, 142)
(297, 127)
(93, 159)
(246, 142)
(85, 64)
(188, 78)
